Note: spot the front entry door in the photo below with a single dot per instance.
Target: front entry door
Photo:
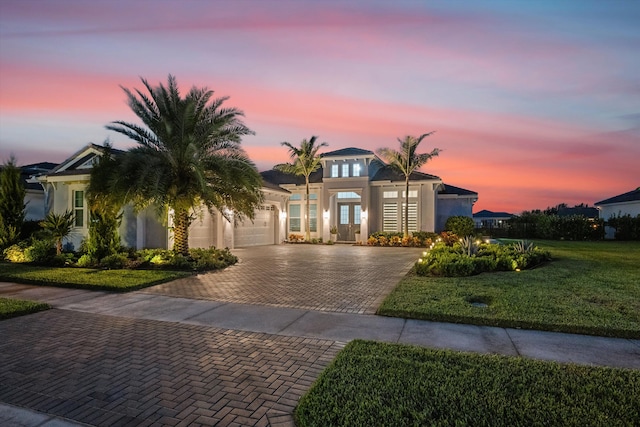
(348, 221)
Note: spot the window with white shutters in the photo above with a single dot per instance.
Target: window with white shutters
(390, 217)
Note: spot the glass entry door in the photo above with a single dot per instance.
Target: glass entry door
(348, 220)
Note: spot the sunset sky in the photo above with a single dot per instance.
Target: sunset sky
(534, 103)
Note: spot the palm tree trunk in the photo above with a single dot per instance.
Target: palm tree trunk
(308, 222)
(406, 208)
(181, 232)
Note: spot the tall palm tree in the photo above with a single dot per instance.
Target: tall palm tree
(406, 161)
(188, 154)
(59, 226)
(305, 161)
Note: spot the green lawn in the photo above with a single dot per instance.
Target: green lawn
(589, 288)
(87, 278)
(376, 384)
(16, 307)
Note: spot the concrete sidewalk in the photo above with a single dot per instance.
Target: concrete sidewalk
(343, 327)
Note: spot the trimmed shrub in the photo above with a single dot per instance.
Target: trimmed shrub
(467, 258)
(40, 251)
(115, 261)
(460, 225)
(626, 226)
(86, 260)
(15, 253)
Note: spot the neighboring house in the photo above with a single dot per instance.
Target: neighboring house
(64, 190)
(620, 205)
(586, 212)
(353, 190)
(490, 220)
(34, 197)
(65, 187)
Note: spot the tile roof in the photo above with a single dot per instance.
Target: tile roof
(630, 196)
(276, 177)
(388, 173)
(450, 189)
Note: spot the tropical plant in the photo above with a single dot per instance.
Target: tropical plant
(469, 246)
(105, 206)
(188, 154)
(59, 227)
(12, 205)
(305, 161)
(407, 161)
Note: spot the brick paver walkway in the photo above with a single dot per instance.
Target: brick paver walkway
(109, 371)
(338, 278)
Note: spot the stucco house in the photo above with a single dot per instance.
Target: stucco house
(353, 190)
(623, 204)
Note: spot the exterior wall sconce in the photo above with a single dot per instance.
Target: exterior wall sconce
(326, 215)
(364, 215)
(283, 216)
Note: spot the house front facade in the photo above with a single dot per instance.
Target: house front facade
(353, 191)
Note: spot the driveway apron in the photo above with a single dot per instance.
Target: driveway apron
(338, 278)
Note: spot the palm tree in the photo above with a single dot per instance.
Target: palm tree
(305, 161)
(406, 161)
(59, 226)
(188, 154)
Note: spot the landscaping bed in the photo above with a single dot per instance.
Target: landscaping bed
(86, 278)
(15, 307)
(381, 384)
(589, 288)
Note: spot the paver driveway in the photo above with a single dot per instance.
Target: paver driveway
(339, 278)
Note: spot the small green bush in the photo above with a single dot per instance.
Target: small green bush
(65, 258)
(460, 225)
(86, 260)
(115, 261)
(15, 253)
(40, 251)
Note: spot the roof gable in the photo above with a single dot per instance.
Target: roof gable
(81, 161)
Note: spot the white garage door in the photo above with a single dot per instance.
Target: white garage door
(259, 232)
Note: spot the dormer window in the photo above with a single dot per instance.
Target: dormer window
(345, 170)
(356, 169)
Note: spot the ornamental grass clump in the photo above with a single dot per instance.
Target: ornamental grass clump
(467, 257)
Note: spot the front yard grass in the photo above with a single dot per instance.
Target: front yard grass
(380, 384)
(590, 288)
(87, 278)
(16, 307)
